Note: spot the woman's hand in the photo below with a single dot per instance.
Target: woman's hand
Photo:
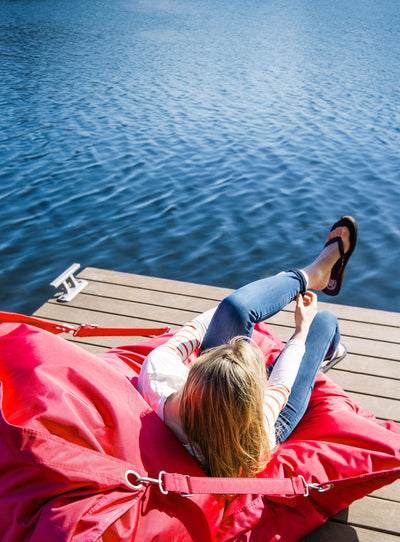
(306, 309)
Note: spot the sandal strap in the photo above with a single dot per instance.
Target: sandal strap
(339, 241)
(334, 359)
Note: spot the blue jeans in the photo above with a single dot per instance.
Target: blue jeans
(237, 315)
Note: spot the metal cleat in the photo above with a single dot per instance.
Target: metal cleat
(71, 285)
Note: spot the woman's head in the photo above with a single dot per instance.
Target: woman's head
(221, 409)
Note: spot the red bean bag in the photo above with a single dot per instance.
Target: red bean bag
(72, 425)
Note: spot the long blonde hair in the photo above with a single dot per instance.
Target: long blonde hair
(221, 410)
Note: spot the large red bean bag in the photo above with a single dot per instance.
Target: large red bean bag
(72, 424)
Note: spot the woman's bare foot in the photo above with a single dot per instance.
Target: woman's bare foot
(319, 271)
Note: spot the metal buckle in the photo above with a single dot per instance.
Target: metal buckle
(187, 494)
(145, 480)
(64, 328)
(76, 332)
(321, 488)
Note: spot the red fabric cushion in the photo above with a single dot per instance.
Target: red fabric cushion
(72, 423)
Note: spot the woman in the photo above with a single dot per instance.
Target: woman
(222, 407)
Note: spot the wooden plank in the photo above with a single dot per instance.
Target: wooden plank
(154, 283)
(101, 309)
(382, 408)
(355, 345)
(150, 297)
(74, 315)
(377, 514)
(102, 344)
(367, 347)
(390, 492)
(369, 365)
(93, 349)
(367, 384)
(361, 314)
(348, 327)
(341, 532)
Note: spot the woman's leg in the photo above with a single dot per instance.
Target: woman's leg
(322, 340)
(238, 313)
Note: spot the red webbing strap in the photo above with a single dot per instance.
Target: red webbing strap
(81, 331)
(92, 331)
(189, 485)
(12, 317)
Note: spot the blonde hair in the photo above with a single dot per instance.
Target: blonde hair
(221, 410)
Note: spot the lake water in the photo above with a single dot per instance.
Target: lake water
(198, 140)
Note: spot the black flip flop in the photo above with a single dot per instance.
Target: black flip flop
(337, 272)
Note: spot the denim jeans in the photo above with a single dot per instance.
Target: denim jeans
(237, 315)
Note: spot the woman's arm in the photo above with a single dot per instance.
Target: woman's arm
(287, 365)
(163, 371)
(189, 338)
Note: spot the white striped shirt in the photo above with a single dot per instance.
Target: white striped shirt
(163, 371)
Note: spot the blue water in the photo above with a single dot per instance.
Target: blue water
(199, 140)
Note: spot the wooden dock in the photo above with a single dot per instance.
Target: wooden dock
(370, 373)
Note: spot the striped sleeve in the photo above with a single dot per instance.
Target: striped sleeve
(163, 371)
(189, 338)
(280, 384)
(185, 341)
(275, 398)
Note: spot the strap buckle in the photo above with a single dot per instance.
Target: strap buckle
(321, 488)
(83, 330)
(140, 480)
(187, 494)
(64, 328)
